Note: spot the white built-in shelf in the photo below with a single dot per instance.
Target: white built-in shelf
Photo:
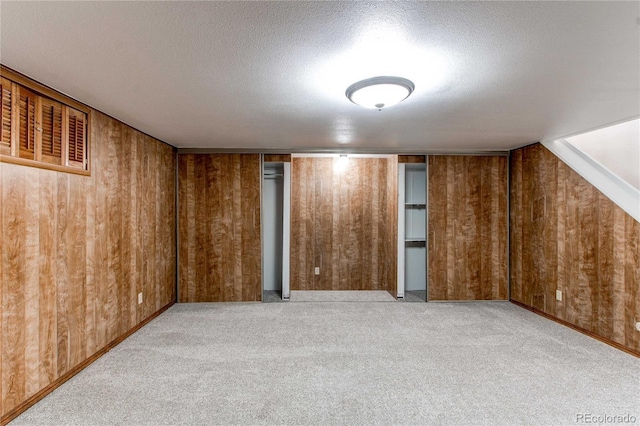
(419, 205)
(415, 240)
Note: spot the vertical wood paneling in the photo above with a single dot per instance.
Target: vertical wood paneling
(448, 232)
(128, 307)
(376, 266)
(515, 232)
(345, 223)
(323, 245)
(63, 297)
(568, 236)
(239, 221)
(415, 159)
(438, 270)
(47, 323)
(71, 255)
(467, 228)
(2, 290)
(169, 215)
(219, 228)
(13, 303)
(603, 320)
(303, 222)
(31, 285)
(101, 227)
(631, 251)
(226, 179)
(277, 158)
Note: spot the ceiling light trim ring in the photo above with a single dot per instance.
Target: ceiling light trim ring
(374, 81)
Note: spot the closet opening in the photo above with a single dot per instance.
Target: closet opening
(412, 215)
(275, 220)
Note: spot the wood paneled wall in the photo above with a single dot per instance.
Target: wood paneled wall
(566, 235)
(277, 158)
(345, 223)
(76, 251)
(467, 225)
(411, 159)
(219, 228)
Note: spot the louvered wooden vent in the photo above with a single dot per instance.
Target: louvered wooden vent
(40, 127)
(51, 131)
(76, 136)
(6, 97)
(27, 123)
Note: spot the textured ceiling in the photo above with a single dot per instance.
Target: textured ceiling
(272, 75)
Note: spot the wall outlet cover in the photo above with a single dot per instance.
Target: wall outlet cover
(139, 298)
(559, 295)
(317, 270)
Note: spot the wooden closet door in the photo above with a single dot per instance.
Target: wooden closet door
(467, 225)
(219, 228)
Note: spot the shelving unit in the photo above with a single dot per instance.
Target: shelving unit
(412, 273)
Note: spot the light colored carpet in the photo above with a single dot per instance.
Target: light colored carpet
(272, 296)
(415, 296)
(348, 364)
(341, 296)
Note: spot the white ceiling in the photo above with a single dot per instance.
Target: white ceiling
(272, 75)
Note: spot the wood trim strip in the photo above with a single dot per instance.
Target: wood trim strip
(42, 165)
(579, 329)
(277, 158)
(84, 364)
(412, 159)
(332, 151)
(64, 148)
(87, 143)
(37, 131)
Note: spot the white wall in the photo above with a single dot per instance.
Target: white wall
(272, 231)
(615, 147)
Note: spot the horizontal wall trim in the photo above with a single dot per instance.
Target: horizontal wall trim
(469, 301)
(330, 151)
(41, 165)
(616, 189)
(579, 329)
(351, 155)
(78, 368)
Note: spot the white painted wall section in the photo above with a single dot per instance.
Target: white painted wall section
(615, 147)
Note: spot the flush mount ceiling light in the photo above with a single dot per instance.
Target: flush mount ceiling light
(379, 92)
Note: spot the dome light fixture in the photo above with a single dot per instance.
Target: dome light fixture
(379, 92)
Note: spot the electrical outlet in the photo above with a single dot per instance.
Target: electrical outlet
(559, 295)
(139, 298)
(317, 270)
(638, 326)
